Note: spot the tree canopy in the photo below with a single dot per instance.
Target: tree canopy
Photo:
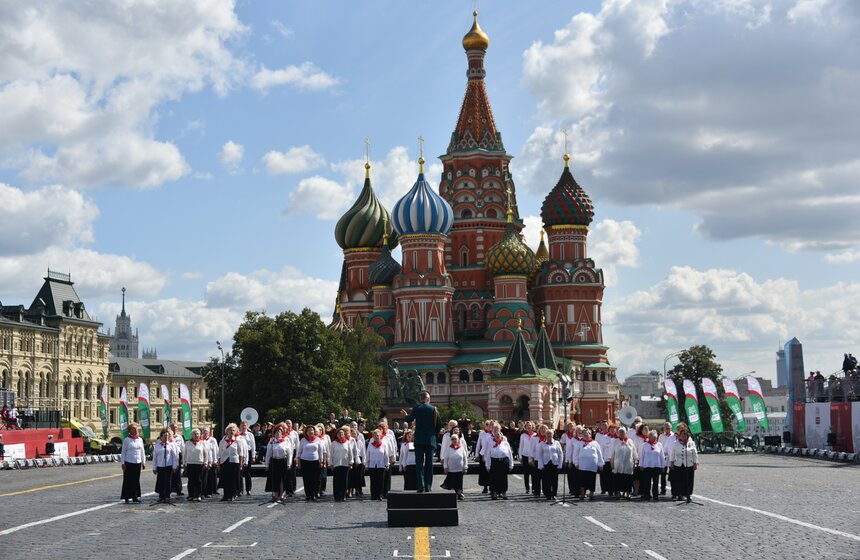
(291, 364)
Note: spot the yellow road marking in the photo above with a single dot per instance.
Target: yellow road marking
(59, 485)
(422, 542)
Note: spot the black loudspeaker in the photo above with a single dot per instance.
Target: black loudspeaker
(772, 440)
(428, 509)
(786, 437)
(831, 439)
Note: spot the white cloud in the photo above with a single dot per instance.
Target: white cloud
(844, 257)
(231, 155)
(85, 113)
(32, 221)
(126, 160)
(297, 159)
(306, 77)
(191, 275)
(754, 146)
(282, 29)
(736, 316)
(325, 198)
(273, 291)
(96, 275)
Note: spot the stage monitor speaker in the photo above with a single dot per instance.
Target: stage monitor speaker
(428, 509)
(831, 439)
(772, 440)
(786, 437)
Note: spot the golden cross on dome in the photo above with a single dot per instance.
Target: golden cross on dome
(421, 154)
(519, 324)
(566, 156)
(510, 212)
(367, 158)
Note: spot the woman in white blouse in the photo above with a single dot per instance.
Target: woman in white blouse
(588, 460)
(651, 463)
(499, 460)
(165, 461)
(684, 462)
(279, 457)
(340, 461)
(378, 460)
(195, 458)
(356, 475)
(550, 459)
(624, 459)
(455, 463)
(407, 461)
(231, 459)
(133, 461)
(311, 458)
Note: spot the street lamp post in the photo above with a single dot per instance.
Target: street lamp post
(220, 349)
(666, 359)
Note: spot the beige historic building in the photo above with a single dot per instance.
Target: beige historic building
(54, 361)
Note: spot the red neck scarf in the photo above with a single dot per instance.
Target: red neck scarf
(652, 445)
(530, 433)
(342, 440)
(282, 439)
(193, 440)
(455, 446)
(622, 439)
(498, 441)
(229, 442)
(570, 435)
(541, 438)
(311, 439)
(376, 444)
(384, 433)
(641, 437)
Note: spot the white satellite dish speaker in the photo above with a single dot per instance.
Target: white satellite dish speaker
(627, 415)
(249, 415)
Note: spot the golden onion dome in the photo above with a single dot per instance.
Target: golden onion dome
(510, 256)
(476, 38)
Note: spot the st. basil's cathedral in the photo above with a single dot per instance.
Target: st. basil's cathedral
(471, 308)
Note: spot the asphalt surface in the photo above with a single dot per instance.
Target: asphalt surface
(746, 506)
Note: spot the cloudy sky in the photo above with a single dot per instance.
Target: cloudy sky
(199, 154)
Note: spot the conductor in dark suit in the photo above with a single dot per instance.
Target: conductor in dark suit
(427, 425)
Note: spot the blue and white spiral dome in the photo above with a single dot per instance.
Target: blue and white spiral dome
(422, 211)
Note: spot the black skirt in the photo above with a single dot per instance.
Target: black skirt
(164, 482)
(356, 477)
(131, 481)
(278, 477)
(499, 475)
(586, 479)
(483, 473)
(410, 478)
(455, 481)
(622, 482)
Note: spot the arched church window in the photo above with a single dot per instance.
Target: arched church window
(478, 376)
(430, 378)
(464, 376)
(466, 213)
(492, 214)
(603, 376)
(441, 378)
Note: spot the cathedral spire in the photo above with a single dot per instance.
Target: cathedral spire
(123, 303)
(476, 127)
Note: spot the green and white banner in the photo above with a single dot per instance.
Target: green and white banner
(734, 402)
(672, 403)
(123, 413)
(143, 409)
(757, 401)
(713, 399)
(166, 394)
(103, 411)
(185, 399)
(691, 406)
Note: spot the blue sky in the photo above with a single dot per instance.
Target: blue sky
(200, 154)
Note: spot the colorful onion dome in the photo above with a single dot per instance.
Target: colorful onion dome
(510, 255)
(384, 269)
(422, 210)
(567, 203)
(542, 254)
(476, 38)
(362, 226)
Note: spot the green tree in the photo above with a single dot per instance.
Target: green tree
(456, 409)
(365, 375)
(695, 364)
(289, 361)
